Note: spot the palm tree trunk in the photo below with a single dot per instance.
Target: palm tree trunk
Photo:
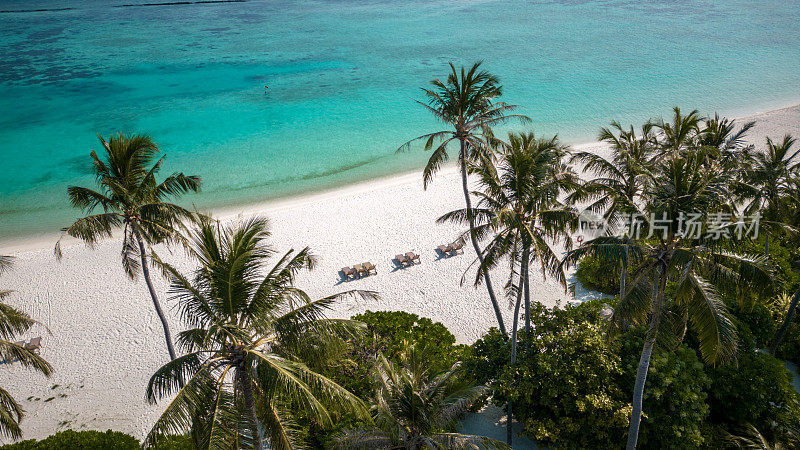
(623, 274)
(156, 304)
(514, 328)
(644, 362)
(786, 322)
(526, 254)
(249, 403)
(474, 239)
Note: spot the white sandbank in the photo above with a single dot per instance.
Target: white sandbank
(106, 340)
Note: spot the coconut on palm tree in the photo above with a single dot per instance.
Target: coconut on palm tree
(413, 409)
(697, 272)
(520, 211)
(251, 340)
(130, 197)
(14, 322)
(467, 101)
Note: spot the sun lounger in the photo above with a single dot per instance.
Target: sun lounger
(411, 256)
(402, 259)
(457, 245)
(445, 249)
(349, 272)
(35, 344)
(360, 269)
(370, 268)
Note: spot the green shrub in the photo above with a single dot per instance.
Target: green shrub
(756, 323)
(598, 275)
(391, 333)
(488, 356)
(80, 440)
(564, 385)
(96, 440)
(674, 401)
(789, 348)
(756, 390)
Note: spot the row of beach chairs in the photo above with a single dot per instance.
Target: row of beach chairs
(451, 248)
(402, 260)
(359, 270)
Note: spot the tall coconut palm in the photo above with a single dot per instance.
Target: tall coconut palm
(413, 409)
(727, 138)
(519, 209)
(681, 133)
(767, 180)
(687, 184)
(621, 180)
(252, 337)
(14, 322)
(129, 197)
(468, 102)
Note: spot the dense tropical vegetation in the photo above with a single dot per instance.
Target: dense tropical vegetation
(694, 239)
(252, 341)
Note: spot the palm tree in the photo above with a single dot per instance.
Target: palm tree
(130, 197)
(412, 409)
(727, 139)
(467, 102)
(252, 335)
(519, 207)
(683, 184)
(793, 206)
(621, 180)
(680, 134)
(14, 322)
(767, 180)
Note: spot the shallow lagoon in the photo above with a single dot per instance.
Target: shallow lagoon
(342, 76)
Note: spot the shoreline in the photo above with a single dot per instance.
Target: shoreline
(104, 340)
(41, 241)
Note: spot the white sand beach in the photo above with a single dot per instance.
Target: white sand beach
(106, 340)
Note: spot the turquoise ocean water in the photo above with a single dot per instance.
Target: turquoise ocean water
(342, 75)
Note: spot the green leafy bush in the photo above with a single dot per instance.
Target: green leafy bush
(756, 323)
(597, 275)
(96, 440)
(756, 390)
(83, 440)
(564, 385)
(392, 333)
(674, 402)
(488, 357)
(573, 383)
(789, 348)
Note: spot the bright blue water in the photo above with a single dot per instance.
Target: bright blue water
(342, 75)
